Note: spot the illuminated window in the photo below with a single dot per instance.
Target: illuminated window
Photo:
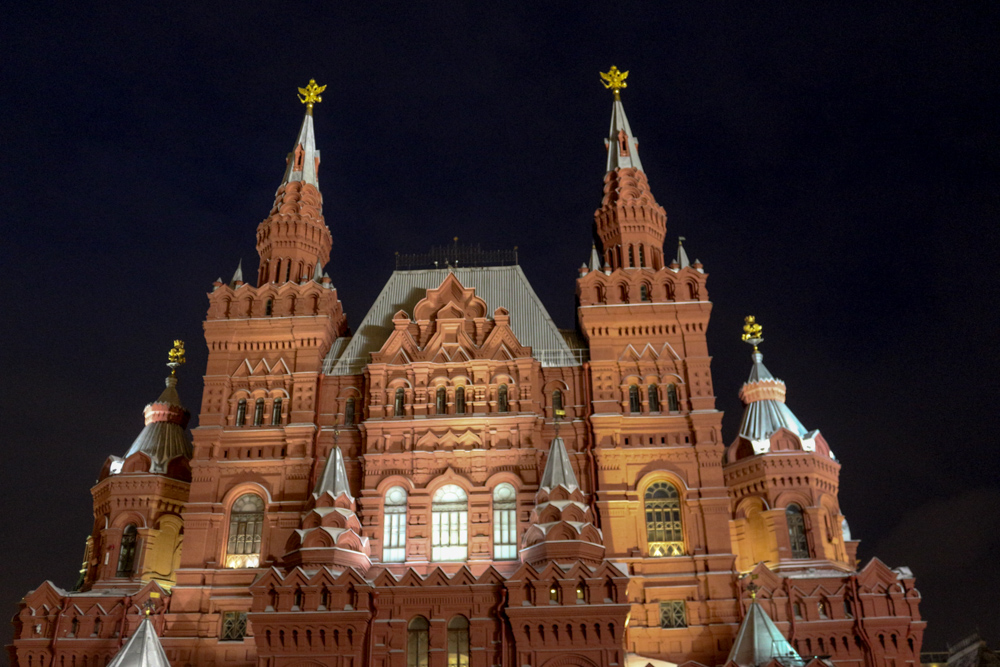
(460, 400)
(246, 520)
(398, 407)
(654, 398)
(258, 412)
(126, 555)
(557, 400)
(554, 593)
(241, 412)
(349, 413)
(672, 404)
(797, 531)
(502, 404)
(394, 535)
(504, 522)
(663, 520)
(673, 614)
(458, 642)
(633, 399)
(417, 640)
(234, 626)
(450, 524)
(580, 593)
(441, 401)
(276, 412)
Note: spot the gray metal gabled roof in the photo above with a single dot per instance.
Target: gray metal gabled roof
(334, 477)
(143, 649)
(499, 286)
(759, 641)
(558, 470)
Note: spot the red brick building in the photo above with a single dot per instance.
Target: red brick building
(459, 482)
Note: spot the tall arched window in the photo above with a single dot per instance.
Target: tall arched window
(633, 399)
(241, 412)
(246, 520)
(450, 524)
(441, 401)
(797, 531)
(502, 404)
(276, 412)
(349, 412)
(504, 522)
(460, 400)
(458, 642)
(398, 406)
(258, 412)
(642, 256)
(394, 535)
(644, 292)
(557, 403)
(269, 307)
(654, 398)
(631, 257)
(663, 520)
(126, 555)
(672, 403)
(417, 640)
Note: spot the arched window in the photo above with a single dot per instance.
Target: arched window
(502, 404)
(618, 252)
(258, 412)
(394, 536)
(663, 520)
(642, 256)
(417, 639)
(644, 292)
(126, 555)
(269, 307)
(398, 407)
(623, 293)
(504, 522)
(458, 642)
(246, 520)
(460, 400)
(276, 412)
(654, 398)
(633, 399)
(672, 403)
(349, 413)
(450, 524)
(631, 257)
(557, 403)
(441, 401)
(602, 294)
(797, 531)
(241, 412)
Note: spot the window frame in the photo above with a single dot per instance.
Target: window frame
(664, 520)
(248, 525)
(394, 526)
(504, 522)
(449, 525)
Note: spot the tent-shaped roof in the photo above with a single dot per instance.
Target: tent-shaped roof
(143, 649)
(759, 641)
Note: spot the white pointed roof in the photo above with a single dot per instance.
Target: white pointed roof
(595, 259)
(759, 641)
(334, 477)
(619, 124)
(682, 256)
(558, 470)
(310, 157)
(143, 649)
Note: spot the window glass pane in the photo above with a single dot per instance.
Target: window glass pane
(664, 533)
(394, 536)
(246, 522)
(797, 532)
(672, 614)
(504, 522)
(450, 524)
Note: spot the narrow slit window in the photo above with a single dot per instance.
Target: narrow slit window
(634, 405)
(797, 531)
(241, 412)
(654, 398)
(441, 401)
(398, 405)
(460, 400)
(502, 404)
(349, 412)
(258, 412)
(672, 403)
(126, 555)
(276, 412)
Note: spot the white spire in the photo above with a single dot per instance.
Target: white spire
(318, 273)
(143, 649)
(682, 256)
(238, 276)
(303, 161)
(623, 147)
(334, 477)
(558, 470)
(595, 259)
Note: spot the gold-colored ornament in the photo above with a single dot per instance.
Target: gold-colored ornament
(615, 80)
(311, 94)
(176, 356)
(753, 333)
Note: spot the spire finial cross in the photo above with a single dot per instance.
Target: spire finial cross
(310, 95)
(176, 357)
(614, 79)
(753, 333)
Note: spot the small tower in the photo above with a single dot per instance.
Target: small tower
(138, 499)
(783, 479)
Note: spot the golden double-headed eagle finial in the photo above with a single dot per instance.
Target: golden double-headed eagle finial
(311, 94)
(614, 79)
(753, 333)
(176, 356)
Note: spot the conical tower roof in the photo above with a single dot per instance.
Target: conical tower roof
(143, 649)
(759, 641)
(558, 470)
(334, 477)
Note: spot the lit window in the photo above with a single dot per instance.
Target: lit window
(797, 532)
(553, 593)
(276, 413)
(417, 640)
(394, 535)
(349, 413)
(633, 399)
(258, 412)
(234, 626)
(504, 522)
(502, 404)
(246, 520)
(440, 402)
(241, 412)
(557, 400)
(654, 398)
(450, 529)
(663, 520)
(672, 404)
(672, 614)
(126, 555)
(458, 642)
(460, 400)
(398, 407)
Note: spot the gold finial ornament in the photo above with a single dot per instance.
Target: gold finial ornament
(311, 94)
(614, 79)
(176, 356)
(753, 333)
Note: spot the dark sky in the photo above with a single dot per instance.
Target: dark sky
(834, 167)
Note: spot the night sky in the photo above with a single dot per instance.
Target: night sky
(835, 168)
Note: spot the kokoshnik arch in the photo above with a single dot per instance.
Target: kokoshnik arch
(460, 483)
